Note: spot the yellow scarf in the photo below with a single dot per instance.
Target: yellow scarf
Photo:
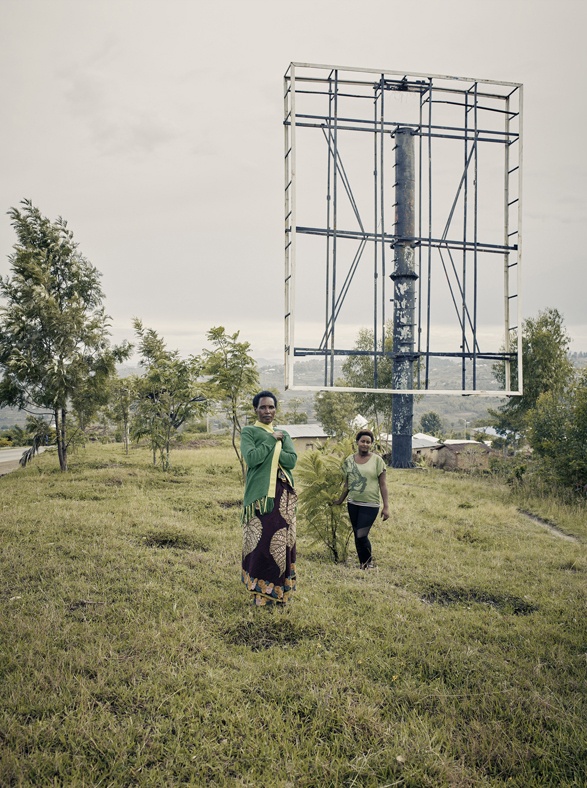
(275, 460)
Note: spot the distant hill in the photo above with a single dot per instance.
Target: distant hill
(453, 409)
(9, 417)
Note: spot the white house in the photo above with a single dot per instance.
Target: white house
(305, 437)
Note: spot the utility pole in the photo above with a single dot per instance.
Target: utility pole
(404, 300)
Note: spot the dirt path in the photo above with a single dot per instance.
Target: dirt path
(554, 529)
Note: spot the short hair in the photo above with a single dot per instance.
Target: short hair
(257, 398)
(365, 432)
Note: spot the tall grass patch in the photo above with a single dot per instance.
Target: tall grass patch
(132, 657)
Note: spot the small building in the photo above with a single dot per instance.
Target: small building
(305, 437)
(461, 456)
(422, 446)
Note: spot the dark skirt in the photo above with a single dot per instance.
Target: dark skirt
(269, 550)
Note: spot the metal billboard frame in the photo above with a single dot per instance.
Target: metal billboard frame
(490, 114)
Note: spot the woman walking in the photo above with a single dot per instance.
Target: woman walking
(366, 487)
(268, 516)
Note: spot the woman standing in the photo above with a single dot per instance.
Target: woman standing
(269, 516)
(366, 487)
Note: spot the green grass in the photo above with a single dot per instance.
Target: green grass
(131, 655)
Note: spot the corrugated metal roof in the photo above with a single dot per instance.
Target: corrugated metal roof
(454, 441)
(419, 443)
(303, 430)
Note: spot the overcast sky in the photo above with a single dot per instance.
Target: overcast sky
(155, 128)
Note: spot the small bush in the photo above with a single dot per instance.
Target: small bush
(320, 475)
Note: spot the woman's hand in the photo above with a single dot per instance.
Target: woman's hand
(278, 435)
(385, 513)
(340, 500)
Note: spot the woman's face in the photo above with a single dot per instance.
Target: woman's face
(265, 410)
(364, 444)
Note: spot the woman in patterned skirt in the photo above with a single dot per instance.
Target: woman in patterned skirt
(268, 517)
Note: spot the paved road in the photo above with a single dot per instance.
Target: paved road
(9, 458)
(8, 455)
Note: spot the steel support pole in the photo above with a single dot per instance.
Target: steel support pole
(404, 300)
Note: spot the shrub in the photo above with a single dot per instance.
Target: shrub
(319, 472)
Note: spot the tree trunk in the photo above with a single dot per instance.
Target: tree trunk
(238, 454)
(61, 436)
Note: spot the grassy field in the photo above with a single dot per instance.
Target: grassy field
(130, 655)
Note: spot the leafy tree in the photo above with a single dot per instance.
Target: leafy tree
(15, 436)
(359, 372)
(87, 400)
(294, 415)
(167, 395)
(39, 434)
(321, 479)
(233, 379)
(336, 411)
(558, 434)
(123, 395)
(54, 348)
(431, 423)
(546, 367)
(36, 430)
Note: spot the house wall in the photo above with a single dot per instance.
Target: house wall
(464, 458)
(423, 453)
(307, 444)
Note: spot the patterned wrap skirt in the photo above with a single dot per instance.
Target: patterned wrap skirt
(269, 550)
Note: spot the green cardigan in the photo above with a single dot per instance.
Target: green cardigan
(258, 447)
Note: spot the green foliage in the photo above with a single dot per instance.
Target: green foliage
(360, 372)
(294, 415)
(320, 476)
(14, 436)
(121, 405)
(35, 433)
(558, 434)
(54, 349)
(233, 379)
(168, 394)
(546, 367)
(431, 423)
(336, 411)
(511, 468)
(552, 413)
(39, 433)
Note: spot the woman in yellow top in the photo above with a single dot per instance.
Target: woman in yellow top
(366, 487)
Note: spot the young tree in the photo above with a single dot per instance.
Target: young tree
(168, 394)
(431, 423)
(546, 367)
(233, 379)
(558, 434)
(359, 372)
(336, 411)
(54, 348)
(39, 434)
(122, 400)
(320, 475)
(294, 415)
